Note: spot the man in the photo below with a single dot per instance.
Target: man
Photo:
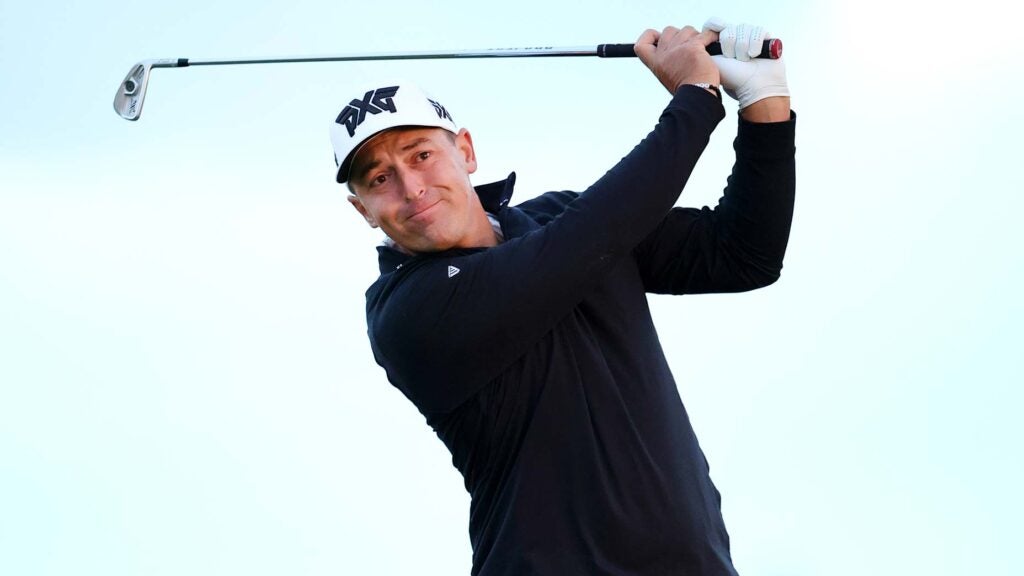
(523, 333)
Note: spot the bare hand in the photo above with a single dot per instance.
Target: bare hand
(678, 56)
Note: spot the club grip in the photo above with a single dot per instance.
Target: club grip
(771, 48)
(615, 51)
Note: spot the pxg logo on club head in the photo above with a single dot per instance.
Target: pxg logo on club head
(374, 102)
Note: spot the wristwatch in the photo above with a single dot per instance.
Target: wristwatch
(708, 86)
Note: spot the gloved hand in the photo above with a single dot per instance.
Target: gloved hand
(746, 78)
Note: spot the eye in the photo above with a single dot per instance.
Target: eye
(378, 180)
(423, 155)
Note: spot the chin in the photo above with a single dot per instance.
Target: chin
(422, 245)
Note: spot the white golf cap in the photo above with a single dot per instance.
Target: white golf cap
(379, 108)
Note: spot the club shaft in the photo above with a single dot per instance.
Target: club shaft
(769, 49)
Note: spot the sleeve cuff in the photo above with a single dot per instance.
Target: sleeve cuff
(696, 98)
(766, 139)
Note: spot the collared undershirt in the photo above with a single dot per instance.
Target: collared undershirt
(491, 217)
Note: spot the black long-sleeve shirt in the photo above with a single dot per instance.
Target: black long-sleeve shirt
(537, 363)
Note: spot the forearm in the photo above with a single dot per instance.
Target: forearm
(630, 199)
(757, 206)
(774, 109)
(740, 244)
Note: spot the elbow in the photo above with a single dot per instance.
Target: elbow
(757, 277)
(760, 268)
(769, 279)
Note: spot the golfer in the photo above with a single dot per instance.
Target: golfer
(523, 334)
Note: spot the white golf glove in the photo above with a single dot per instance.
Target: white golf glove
(745, 77)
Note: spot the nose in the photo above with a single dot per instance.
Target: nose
(412, 185)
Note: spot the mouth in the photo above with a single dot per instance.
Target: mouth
(420, 213)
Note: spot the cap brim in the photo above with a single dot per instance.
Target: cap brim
(346, 164)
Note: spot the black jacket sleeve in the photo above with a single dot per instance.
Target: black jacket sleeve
(442, 336)
(740, 244)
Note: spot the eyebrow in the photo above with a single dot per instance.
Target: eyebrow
(363, 170)
(414, 144)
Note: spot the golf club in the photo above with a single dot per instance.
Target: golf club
(132, 91)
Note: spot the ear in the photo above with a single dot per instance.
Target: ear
(358, 205)
(464, 144)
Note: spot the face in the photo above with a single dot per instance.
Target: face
(414, 184)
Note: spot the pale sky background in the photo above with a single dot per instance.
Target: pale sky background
(185, 382)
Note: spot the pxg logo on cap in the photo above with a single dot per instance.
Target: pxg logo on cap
(379, 109)
(374, 102)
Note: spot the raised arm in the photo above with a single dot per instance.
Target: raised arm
(741, 243)
(441, 337)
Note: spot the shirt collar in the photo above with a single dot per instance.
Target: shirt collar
(496, 195)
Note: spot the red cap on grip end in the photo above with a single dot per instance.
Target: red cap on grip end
(775, 48)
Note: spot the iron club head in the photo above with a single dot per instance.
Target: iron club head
(132, 91)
